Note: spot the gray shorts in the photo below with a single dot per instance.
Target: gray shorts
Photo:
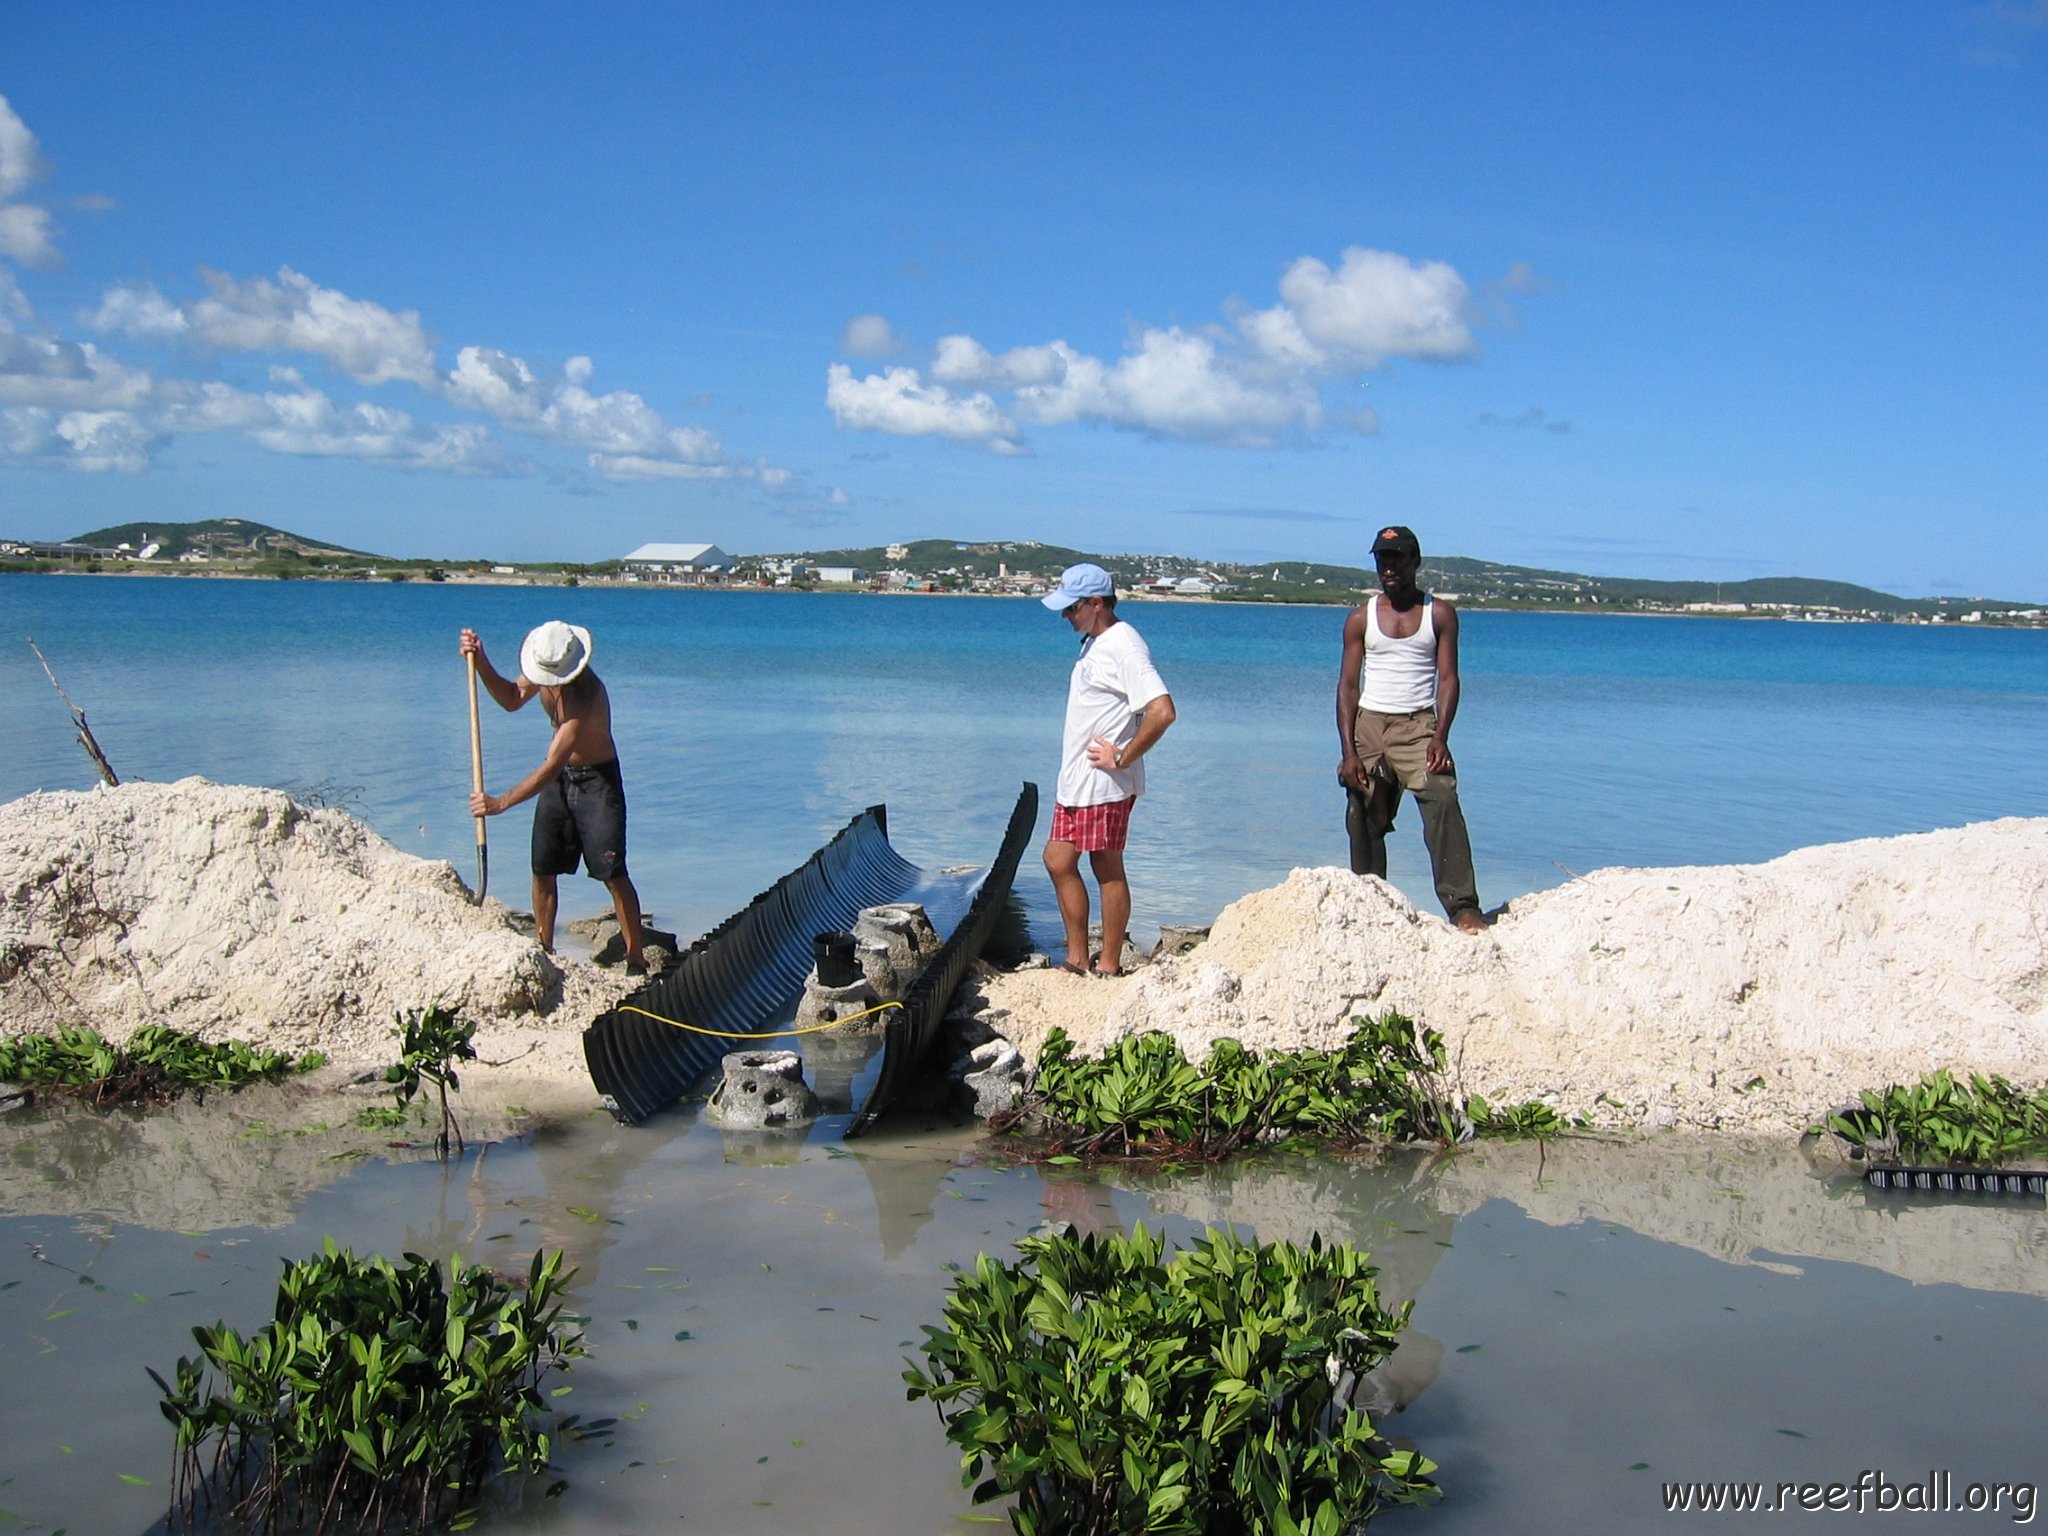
(582, 813)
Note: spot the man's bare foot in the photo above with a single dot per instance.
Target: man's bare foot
(1470, 920)
(636, 965)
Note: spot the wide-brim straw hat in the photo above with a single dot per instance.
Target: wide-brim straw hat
(555, 654)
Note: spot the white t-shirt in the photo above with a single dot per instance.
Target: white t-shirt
(1112, 683)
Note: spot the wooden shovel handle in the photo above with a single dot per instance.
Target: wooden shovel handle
(476, 780)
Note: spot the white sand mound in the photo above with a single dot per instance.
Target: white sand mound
(1712, 997)
(235, 912)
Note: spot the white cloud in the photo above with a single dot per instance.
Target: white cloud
(870, 336)
(181, 407)
(371, 344)
(1256, 383)
(66, 375)
(623, 436)
(632, 466)
(25, 235)
(1178, 384)
(21, 161)
(897, 401)
(1376, 305)
(87, 441)
(837, 497)
(66, 406)
(963, 360)
(136, 309)
(308, 423)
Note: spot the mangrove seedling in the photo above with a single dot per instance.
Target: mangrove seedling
(380, 1398)
(1939, 1120)
(153, 1065)
(430, 1042)
(1110, 1389)
(1142, 1098)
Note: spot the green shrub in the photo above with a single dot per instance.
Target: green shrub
(1112, 1389)
(1941, 1121)
(1144, 1098)
(154, 1063)
(379, 1398)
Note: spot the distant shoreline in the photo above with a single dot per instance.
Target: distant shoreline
(612, 583)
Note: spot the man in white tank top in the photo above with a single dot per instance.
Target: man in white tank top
(1397, 693)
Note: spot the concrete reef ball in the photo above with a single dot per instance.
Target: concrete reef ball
(762, 1090)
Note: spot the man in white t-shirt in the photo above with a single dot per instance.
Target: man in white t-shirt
(1117, 709)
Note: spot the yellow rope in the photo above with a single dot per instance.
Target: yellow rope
(765, 1034)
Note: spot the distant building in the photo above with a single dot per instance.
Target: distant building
(846, 575)
(678, 559)
(897, 552)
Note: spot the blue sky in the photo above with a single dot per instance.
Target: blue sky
(1707, 291)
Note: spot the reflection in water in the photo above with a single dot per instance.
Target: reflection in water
(836, 1063)
(250, 1158)
(1749, 1202)
(765, 1147)
(906, 1190)
(1388, 1208)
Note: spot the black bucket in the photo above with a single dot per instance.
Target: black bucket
(833, 953)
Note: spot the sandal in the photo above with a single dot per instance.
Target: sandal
(1075, 970)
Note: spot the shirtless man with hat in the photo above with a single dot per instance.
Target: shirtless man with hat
(1397, 693)
(580, 796)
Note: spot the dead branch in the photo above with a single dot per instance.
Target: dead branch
(85, 736)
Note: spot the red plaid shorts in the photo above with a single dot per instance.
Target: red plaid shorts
(1094, 828)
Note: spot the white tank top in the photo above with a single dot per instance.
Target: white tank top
(1399, 675)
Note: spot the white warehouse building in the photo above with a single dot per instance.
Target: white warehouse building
(678, 559)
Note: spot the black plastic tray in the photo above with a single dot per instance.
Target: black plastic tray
(1961, 1181)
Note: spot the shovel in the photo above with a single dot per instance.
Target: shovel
(476, 782)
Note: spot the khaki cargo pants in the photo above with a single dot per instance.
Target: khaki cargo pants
(1390, 750)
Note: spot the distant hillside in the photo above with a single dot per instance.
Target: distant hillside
(1492, 581)
(930, 555)
(1479, 581)
(218, 538)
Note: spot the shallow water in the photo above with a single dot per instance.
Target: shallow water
(1711, 1310)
